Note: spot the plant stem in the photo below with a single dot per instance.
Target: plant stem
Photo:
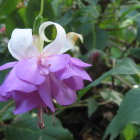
(94, 36)
(6, 107)
(41, 7)
(123, 81)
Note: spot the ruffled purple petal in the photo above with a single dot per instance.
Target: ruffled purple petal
(19, 96)
(13, 83)
(27, 70)
(66, 73)
(61, 92)
(75, 82)
(7, 65)
(79, 63)
(71, 71)
(57, 62)
(45, 94)
(82, 73)
(3, 98)
(27, 103)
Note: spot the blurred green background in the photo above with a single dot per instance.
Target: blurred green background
(111, 31)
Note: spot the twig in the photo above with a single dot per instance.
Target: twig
(6, 107)
(123, 81)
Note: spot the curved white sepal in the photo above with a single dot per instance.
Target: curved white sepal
(55, 46)
(21, 44)
(72, 37)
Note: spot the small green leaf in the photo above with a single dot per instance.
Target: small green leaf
(92, 106)
(130, 132)
(101, 39)
(138, 34)
(116, 52)
(111, 96)
(135, 52)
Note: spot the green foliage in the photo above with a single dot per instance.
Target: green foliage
(130, 132)
(128, 113)
(25, 127)
(92, 106)
(112, 96)
(125, 66)
(111, 31)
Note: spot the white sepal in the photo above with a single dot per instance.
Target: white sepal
(21, 44)
(72, 37)
(59, 43)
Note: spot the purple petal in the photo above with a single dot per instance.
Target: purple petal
(66, 73)
(19, 96)
(7, 65)
(58, 62)
(27, 70)
(61, 92)
(27, 104)
(71, 71)
(13, 83)
(45, 94)
(79, 63)
(75, 82)
(82, 73)
(3, 98)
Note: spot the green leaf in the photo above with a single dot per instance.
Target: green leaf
(8, 6)
(129, 112)
(13, 21)
(82, 27)
(130, 35)
(111, 96)
(138, 34)
(128, 10)
(130, 132)
(135, 52)
(116, 52)
(25, 128)
(93, 2)
(66, 19)
(92, 106)
(125, 66)
(101, 39)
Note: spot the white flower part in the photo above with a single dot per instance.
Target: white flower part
(72, 37)
(21, 44)
(58, 44)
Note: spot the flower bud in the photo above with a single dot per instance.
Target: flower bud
(38, 21)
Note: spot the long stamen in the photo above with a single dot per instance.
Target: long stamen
(40, 117)
(54, 124)
(49, 112)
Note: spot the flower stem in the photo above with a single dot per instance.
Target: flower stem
(39, 19)
(41, 7)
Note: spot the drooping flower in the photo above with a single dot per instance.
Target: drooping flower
(42, 74)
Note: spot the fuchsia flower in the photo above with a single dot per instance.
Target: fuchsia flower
(42, 75)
